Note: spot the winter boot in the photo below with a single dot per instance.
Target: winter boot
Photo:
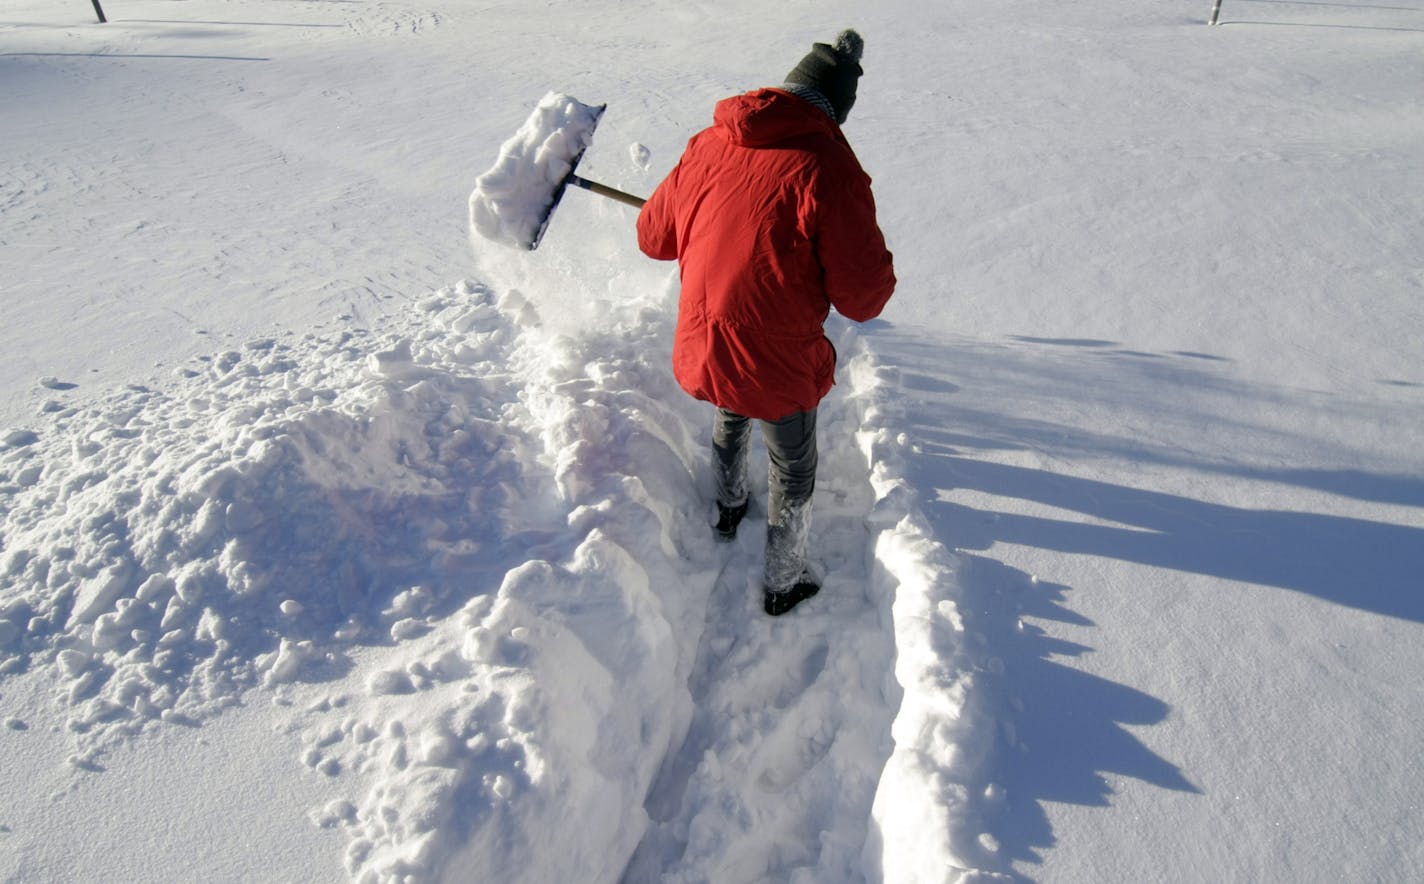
(777, 603)
(728, 518)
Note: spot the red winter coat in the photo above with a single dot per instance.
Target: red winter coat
(772, 221)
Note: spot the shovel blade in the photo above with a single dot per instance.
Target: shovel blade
(513, 202)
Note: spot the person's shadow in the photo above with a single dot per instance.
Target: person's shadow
(1062, 731)
(1373, 566)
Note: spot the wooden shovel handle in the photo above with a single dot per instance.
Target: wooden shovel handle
(604, 190)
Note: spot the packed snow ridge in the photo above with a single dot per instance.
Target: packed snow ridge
(491, 540)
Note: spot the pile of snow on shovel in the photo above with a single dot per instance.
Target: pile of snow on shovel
(512, 201)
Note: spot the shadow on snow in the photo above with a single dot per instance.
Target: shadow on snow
(1063, 729)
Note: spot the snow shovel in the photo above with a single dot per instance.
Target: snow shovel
(513, 202)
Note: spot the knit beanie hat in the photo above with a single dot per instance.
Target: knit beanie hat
(832, 71)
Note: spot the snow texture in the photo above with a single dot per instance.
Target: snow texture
(333, 550)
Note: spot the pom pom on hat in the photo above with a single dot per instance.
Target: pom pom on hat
(850, 44)
(833, 71)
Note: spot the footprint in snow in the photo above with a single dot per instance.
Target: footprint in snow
(803, 675)
(19, 438)
(801, 737)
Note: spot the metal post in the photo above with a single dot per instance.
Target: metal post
(1215, 11)
(99, 9)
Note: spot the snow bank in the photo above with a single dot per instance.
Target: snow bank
(285, 501)
(483, 547)
(471, 528)
(928, 819)
(512, 202)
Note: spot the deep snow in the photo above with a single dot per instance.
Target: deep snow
(331, 548)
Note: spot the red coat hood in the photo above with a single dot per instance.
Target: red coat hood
(766, 116)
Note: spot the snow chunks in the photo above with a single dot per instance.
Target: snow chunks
(172, 550)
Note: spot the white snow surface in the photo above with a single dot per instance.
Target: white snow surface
(333, 548)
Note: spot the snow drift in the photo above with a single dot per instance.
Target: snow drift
(499, 534)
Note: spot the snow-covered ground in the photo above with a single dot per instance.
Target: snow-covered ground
(333, 548)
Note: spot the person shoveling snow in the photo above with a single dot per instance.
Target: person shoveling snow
(772, 221)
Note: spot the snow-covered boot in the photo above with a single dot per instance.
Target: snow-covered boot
(778, 603)
(787, 579)
(728, 518)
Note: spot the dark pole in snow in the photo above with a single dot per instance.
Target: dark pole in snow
(99, 9)
(1215, 11)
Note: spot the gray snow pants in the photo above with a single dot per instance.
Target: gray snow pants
(791, 448)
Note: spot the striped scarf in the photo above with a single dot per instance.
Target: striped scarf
(811, 95)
